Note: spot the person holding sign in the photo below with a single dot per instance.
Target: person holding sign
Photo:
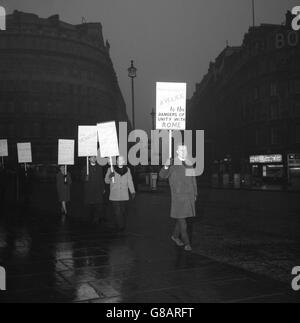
(63, 186)
(3, 171)
(94, 189)
(3, 184)
(184, 194)
(63, 178)
(119, 190)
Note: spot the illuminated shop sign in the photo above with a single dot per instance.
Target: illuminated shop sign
(263, 159)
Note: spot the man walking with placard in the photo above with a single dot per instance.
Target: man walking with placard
(94, 189)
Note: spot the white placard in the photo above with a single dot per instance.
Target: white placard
(170, 106)
(108, 139)
(87, 141)
(3, 148)
(24, 153)
(66, 152)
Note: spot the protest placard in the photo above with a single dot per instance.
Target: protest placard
(108, 139)
(24, 153)
(87, 141)
(66, 152)
(170, 106)
(3, 148)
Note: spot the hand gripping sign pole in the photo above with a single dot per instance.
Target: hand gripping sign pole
(112, 168)
(3, 150)
(108, 139)
(170, 108)
(87, 143)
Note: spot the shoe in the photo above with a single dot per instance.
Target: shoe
(188, 248)
(178, 242)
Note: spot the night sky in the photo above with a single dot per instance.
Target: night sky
(169, 40)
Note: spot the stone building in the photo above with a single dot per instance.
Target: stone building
(249, 106)
(54, 76)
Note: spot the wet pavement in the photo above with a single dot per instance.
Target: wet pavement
(50, 261)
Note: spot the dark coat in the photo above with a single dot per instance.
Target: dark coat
(183, 190)
(94, 186)
(63, 189)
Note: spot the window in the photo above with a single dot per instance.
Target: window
(257, 137)
(26, 130)
(11, 130)
(11, 107)
(274, 111)
(36, 130)
(298, 134)
(296, 86)
(256, 93)
(275, 136)
(296, 110)
(273, 89)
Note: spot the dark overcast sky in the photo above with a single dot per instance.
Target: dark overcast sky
(169, 40)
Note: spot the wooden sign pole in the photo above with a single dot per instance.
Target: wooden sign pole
(87, 166)
(170, 144)
(112, 168)
(66, 174)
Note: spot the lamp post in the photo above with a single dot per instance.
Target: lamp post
(132, 74)
(153, 115)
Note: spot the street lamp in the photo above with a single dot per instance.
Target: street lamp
(132, 74)
(153, 115)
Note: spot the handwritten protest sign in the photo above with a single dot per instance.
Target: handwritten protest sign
(170, 106)
(24, 153)
(87, 141)
(66, 152)
(3, 148)
(108, 139)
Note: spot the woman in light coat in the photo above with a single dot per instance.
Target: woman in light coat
(121, 184)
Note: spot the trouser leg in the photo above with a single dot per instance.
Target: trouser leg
(119, 212)
(97, 215)
(176, 232)
(183, 231)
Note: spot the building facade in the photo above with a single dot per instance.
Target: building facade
(249, 106)
(54, 76)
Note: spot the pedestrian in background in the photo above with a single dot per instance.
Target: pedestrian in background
(94, 189)
(184, 195)
(63, 186)
(121, 184)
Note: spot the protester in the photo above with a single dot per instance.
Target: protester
(3, 184)
(26, 180)
(63, 185)
(94, 188)
(121, 184)
(184, 194)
